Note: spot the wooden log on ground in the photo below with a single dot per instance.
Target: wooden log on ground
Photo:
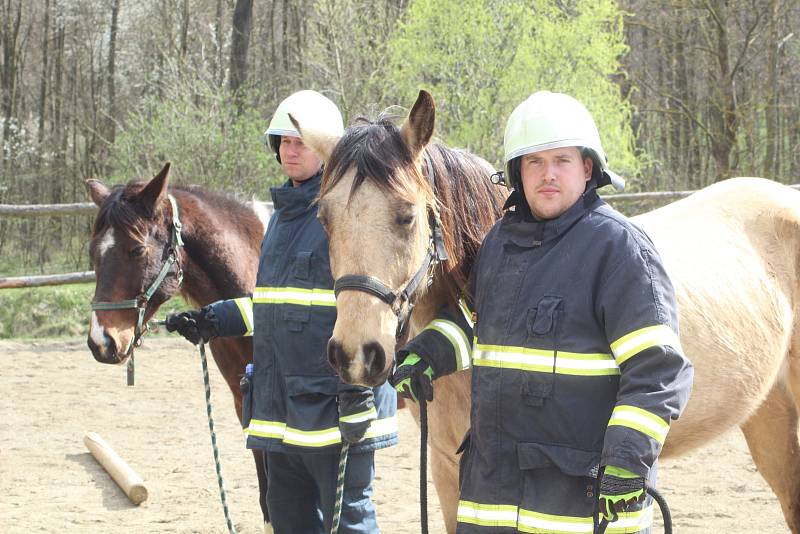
(125, 477)
(46, 280)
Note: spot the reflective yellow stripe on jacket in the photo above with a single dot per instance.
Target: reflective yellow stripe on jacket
(461, 346)
(641, 420)
(635, 342)
(294, 295)
(542, 361)
(510, 516)
(245, 306)
(315, 438)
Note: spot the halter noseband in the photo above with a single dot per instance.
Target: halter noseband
(401, 301)
(140, 302)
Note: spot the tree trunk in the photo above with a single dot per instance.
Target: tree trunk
(112, 47)
(240, 42)
(43, 80)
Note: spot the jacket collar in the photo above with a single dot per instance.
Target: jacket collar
(525, 230)
(293, 201)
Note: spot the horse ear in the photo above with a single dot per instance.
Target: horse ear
(417, 129)
(98, 191)
(156, 189)
(321, 143)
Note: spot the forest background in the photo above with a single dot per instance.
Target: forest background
(685, 92)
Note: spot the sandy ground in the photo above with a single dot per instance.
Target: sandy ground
(53, 392)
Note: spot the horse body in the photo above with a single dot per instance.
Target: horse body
(731, 251)
(222, 238)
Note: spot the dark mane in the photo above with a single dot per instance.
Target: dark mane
(468, 203)
(122, 212)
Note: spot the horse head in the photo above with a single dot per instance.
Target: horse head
(132, 240)
(376, 206)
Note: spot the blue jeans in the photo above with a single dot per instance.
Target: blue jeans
(302, 489)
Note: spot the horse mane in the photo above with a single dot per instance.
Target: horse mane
(468, 203)
(122, 212)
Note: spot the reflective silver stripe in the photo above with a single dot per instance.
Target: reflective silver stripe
(487, 515)
(294, 295)
(316, 438)
(635, 342)
(359, 417)
(508, 515)
(530, 521)
(245, 305)
(456, 337)
(538, 360)
(638, 419)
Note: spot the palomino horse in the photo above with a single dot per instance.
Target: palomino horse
(732, 251)
(130, 244)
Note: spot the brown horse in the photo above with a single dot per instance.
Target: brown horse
(130, 244)
(732, 251)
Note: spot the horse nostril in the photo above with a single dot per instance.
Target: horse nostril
(334, 353)
(374, 358)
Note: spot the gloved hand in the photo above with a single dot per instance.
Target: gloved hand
(194, 325)
(356, 412)
(619, 488)
(413, 378)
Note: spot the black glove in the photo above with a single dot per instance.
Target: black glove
(194, 325)
(413, 378)
(356, 413)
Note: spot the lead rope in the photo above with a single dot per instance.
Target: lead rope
(423, 464)
(231, 528)
(337, 505)
(666, 516)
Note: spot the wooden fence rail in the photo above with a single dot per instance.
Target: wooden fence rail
(88, 208)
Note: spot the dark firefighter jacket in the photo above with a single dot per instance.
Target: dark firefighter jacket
(576, 365)
(292, 405)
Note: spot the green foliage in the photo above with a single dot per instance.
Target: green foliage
(192, 122)
(58, 311)
(481, 64)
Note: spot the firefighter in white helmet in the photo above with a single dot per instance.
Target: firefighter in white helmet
(577, 368)
(296, 409)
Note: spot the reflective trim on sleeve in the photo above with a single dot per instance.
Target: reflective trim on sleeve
(641, 420)
(245, 305)
(632, 344)
(359, 417)
(487, 515)
(294, 295)
(538, 360)
(316, 438)
(456, 337)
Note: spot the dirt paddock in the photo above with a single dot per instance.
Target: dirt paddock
(53, 392)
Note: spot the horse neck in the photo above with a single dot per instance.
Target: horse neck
(220, 252)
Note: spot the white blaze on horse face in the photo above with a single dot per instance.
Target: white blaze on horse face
(367, 238)
(97, 332)
(106, 242)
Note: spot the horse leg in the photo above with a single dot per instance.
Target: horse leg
(445, 478)
(261, 469)
(771, 434)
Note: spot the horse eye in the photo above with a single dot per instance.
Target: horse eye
(405, 219)
(137, 251)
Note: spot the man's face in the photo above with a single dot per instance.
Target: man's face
(298, 161)
(554, 180)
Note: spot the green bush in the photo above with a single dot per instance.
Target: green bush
(57, 311)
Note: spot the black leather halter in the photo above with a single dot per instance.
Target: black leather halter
(402, 300)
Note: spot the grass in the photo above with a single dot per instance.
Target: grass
(54, 311)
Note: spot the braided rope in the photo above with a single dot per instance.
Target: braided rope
(231, 528)
(337, 505)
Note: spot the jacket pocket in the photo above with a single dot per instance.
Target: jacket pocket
(557, 479)
(296, 319)
(570, 461)
(543, 320)
(312, 413)
(301, 267)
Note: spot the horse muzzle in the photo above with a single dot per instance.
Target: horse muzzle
(368, 367)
